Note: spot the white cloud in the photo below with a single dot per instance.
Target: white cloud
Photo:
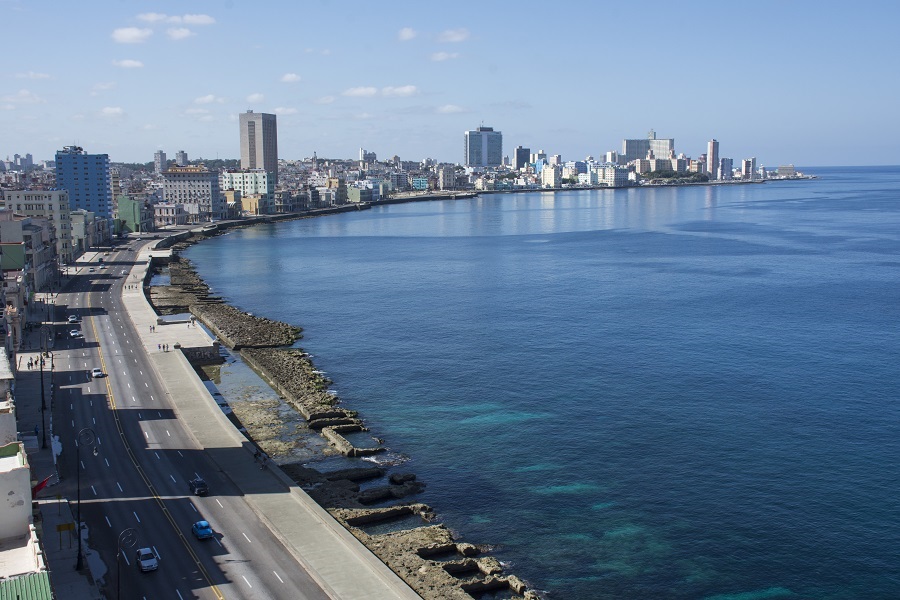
(454, 35)
(21, 97)
(402, 91)
(131, 35)
(179, 33)
(209, 99)
(198, 20)
(152, 17)
(150, 127)
(448, 109)
(32, 75)
(360, 91)
(206, 118)
(254, 98)
(362, 116)
(175, 19)
(325, 100)
(196, 111)
(290, 78)
(281, 110)
(112, 112)
(7, 107)
(406, 34)
(128, 64)
(439, 56)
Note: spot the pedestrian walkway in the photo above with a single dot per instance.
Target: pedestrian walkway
(54, 520)
(334, 558)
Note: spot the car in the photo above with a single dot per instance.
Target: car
(91, 270)
(74, 319)
(75, 333)
(97, 372)
(146, 560)
(198, 487)
(202, 530)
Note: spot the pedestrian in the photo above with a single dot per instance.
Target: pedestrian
(265, 462)
(256, 455)
(159, 346)
(36, 430)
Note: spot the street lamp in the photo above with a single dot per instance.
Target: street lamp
(85, 437)
(127, 539)
(45, 335)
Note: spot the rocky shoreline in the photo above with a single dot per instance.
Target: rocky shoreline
(426, 555)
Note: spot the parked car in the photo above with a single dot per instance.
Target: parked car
(202, 530)
(198, 486)
(97, 372)
(146, 560)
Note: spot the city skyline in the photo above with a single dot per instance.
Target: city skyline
(409, 80)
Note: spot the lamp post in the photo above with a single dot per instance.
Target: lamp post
(127, 539)
(85, 437)
(45, 335)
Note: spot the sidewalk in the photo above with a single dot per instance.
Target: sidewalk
(334, 558)
(60, 549)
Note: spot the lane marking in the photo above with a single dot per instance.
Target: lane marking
(191, 504)
(245, 535)
(106, 460)
(173, 479)
(107, 521)
(219, 503)
(93, 490)
(279, 578)
(245, 579)
(136, 517)
(120, 487)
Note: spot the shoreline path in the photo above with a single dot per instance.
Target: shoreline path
(334, 558)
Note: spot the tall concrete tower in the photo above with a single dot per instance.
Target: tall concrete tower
(259, 142)
(712, 159)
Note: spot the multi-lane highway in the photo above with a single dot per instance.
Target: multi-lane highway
(136, 473)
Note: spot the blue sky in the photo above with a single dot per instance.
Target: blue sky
(809, 83)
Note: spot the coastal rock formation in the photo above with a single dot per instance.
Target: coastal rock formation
(239, 330)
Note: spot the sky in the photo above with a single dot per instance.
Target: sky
(811, 83)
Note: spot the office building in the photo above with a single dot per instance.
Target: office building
(366, 157)
(726, 169)
(483, 148)
(712, 159)
(640, 148)
(159, 161)
(259, 142)
(181, 159)
(87, 179)
(521, 157)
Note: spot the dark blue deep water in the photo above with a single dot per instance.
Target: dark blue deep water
(670, 393)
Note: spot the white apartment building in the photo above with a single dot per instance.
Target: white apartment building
(50, 204)
(197, 188)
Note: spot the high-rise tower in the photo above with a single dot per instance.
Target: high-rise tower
(259, 142)
(87, 179)
(484, 148)
(712, 159)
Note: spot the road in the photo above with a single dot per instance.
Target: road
(136, 473)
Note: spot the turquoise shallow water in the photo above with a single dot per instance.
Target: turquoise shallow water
(667, 393)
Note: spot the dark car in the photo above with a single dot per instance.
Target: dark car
(198, 487)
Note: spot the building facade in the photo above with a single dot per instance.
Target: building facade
(259, 142)
(181, 159)
(87, 179)
(483, 148)
(712, 159)
(159, 162)
(51, 204)
(197, 188)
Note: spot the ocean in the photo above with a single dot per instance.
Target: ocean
(672, 393)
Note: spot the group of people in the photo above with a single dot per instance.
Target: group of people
(162, 347)
(33, 362)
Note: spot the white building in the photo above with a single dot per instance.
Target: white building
(252, 182)
(483, 148)
(551, 177)
(159, 161)
(197, 188)
(51, 204)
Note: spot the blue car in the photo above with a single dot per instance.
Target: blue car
(202, 530)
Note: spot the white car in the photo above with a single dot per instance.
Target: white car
(74, 319)
(146, 560)
(75, 333)
(97, 372)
